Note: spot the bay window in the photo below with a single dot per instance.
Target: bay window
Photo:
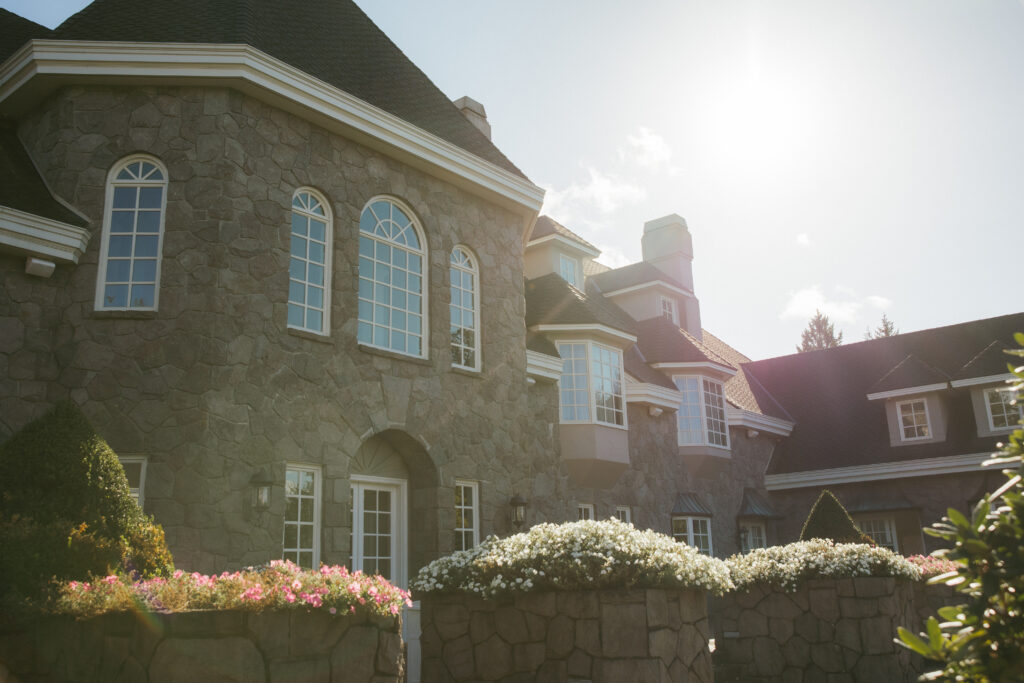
(591, 388)
(701, 415)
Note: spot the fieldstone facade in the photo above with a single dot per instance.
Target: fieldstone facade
(647, 636)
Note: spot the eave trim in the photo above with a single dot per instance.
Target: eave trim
(925, 467)
(991, 379)
(38, 236)
(543, 366)
(908, 391)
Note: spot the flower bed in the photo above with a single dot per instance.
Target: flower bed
(279, 585)
(932, 566)
(585, 555)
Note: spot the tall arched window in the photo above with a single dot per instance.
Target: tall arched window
(465, 310)
(392, 301)
(309, 268)
(133, 228)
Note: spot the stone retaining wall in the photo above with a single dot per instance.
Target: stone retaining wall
(205, 646)
(834, 630)
(599, 636)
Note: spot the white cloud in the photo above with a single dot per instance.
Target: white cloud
(602, 192)
(803, 240)
(879, 302)
(613, 257)
(845, 307)
(646, 149)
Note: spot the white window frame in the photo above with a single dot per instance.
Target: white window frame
(474, 510)
(689, 534)
(1007, 392)
(317, 524)
(624, 513)
(888, 527)
(367, 294)
(399, 523)
(569, 269)
(108, 214)
(591, 385)
(745, 538)
(138, 493)
(466, 266)
(305, 283)
(669, 309)
(927, 420)
(704, 407)
(584, 512)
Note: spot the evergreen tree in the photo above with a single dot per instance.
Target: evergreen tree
(820, 334)
(829, 519)
(886, 328)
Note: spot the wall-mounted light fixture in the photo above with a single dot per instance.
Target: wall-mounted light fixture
(260, 484)
(518, 513)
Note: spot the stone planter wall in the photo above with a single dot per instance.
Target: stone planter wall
(829, 630)
(599, 636)
(205, 646)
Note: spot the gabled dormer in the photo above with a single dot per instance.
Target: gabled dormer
(554, 248)
(916, 402)
(985, 376)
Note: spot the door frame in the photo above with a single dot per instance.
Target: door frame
(399, 523)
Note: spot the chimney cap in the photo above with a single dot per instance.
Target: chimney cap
(467, 102)
(671, 220)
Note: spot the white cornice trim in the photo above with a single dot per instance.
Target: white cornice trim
(586, 328)
(909, 391)
(653, 283)
(698, 365)
(209, 62)
(555, 237)
(925, 467)
(764, 423)
(38, 236)
(652, 394)
(543, 366)
(991, 379)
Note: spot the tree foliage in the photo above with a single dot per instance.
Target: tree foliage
(819, 334)
(829, 519)
(982, 640)
(886, 328)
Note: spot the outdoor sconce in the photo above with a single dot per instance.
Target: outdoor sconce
(518, 506)
(260, 484)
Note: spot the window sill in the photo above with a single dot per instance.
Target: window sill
(377, 351)
(466, 372)
(311, 336)
(121, 314)
(595, 423)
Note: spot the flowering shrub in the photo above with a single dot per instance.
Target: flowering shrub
(573, 556)
(281, 584)
(932, 566)
(788, 566)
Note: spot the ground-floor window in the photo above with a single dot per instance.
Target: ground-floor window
(624, 513)
(135, 470)
(302, 516)
(377, 515)
(467, 517)
(585, 511)
(695, 531)
(752, 536)
(882, 531)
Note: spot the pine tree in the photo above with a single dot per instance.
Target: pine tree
(886, 328)
(820, 334)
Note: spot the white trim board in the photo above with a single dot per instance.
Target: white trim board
(739, 417)
(653, 283)
(555, 237)
(689, 367)
(925, 467)
(584, 328)
(909, 391)
(652, 394)
(542, 365)
(66, 61)
(991, 379)
(44, 237)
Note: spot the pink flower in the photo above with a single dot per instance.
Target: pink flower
(394, 609)
(333, 610)
(177, 573)
(110, 579)
(352, 609)
(289, 596)
(296, 584)
(73, 585)
(353, 588)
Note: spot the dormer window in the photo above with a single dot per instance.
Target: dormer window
(701, 416)
(669, 310)
(569, 269)
(1001, 414)
(591, 388)
(913, 420)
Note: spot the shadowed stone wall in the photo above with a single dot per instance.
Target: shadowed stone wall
(268, 647)
(600, 636)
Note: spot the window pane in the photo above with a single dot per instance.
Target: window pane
(120, 246)
(115, 296)
(118, 270)
(150, 197)
(142, 296)
(124, 197)
(146, 245)
(122, 221)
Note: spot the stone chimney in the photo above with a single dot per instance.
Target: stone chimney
(667, 245)
(475, 114)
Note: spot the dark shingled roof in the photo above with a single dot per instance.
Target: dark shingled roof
(536, 341)
(741, 390)
(21, 186)
(15, 31)
(909, 373)
(826, 393)
(990, 361)
(332, 40)
(546, 225)
(632, 275)
(550, 300)
(661, 341)
(636, 365)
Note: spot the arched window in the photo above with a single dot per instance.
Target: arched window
(309, 268)
(392, 306)
(465, 310)
(133, 228)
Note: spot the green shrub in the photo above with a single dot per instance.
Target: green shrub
(65, 508)
(829, 519)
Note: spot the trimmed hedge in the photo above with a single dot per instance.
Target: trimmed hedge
(829, 519)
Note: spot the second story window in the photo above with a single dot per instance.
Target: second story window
(392, 306)
(309, 269)
(669, 310)
(464, 310)
(913, 417)
(701, 416)
(1001, 414)
(591, 385)
(569, 269)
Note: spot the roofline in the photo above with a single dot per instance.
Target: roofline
(586, 327)
(39, 236)
(924, 467)
(652, 283)
(542, 365)
(696, 365)
(908, 391)
(585, 249)
(652, 394)
(742, 417)
(256, 70)
(990, 379)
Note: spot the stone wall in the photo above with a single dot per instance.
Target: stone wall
(599, 636)
(266, 647)
(834, 630)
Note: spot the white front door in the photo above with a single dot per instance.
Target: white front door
(379, 527)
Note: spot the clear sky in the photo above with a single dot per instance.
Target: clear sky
(857, 156)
